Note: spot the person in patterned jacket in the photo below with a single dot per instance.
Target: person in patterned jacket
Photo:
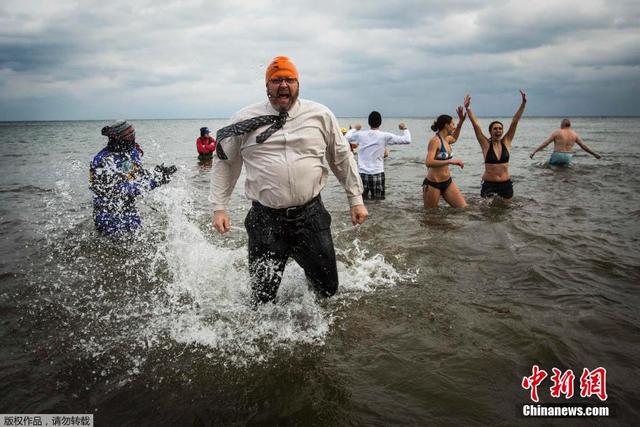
(117, 178)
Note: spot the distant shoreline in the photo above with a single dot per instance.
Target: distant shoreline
(339, 117)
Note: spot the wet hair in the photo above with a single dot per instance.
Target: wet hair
(565, 123)
(375, 119)
(441, 122)
(493, 123)
(204, 131)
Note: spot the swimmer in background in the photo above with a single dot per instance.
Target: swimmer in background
(206, 144)
(563, 141)
(352, 146)
(372, 149)
(439, 156)
(496, 180)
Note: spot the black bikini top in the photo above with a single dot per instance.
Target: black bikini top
(491, 155)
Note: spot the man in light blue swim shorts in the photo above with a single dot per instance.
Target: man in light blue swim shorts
(560, 159)
(563, 142)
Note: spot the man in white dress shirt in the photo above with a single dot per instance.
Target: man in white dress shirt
(371, 153)
(286, 167)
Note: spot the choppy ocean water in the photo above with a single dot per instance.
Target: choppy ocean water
(438, 318)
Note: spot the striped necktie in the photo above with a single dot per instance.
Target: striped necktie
(250, 125)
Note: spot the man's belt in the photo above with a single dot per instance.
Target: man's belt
(293, 212)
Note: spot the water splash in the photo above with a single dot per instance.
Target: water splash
(178, 287)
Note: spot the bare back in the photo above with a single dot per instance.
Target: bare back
(564, 140)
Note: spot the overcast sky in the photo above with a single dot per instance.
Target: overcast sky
(67, 60)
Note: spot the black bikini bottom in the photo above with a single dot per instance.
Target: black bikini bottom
(442, 186)
(502, 189)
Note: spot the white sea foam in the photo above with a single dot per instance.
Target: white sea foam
(186, 284)
(215, 279)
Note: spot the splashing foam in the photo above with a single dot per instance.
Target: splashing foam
(215, 279)
(202, 300)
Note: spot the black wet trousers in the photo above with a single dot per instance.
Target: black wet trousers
(302, 233)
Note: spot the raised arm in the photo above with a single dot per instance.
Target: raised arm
(544, 144)
(456, 133)
(582, 145)
(393, 139)
(482, 140)
(351, 134)
(508, 137)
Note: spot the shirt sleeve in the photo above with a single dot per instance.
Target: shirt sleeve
(393, 139)
(342, 163)
(108, 181)
(143, 181)
(351, 135)
(225, 173)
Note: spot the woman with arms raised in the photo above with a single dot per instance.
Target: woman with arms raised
(496, 180)
(438, 181)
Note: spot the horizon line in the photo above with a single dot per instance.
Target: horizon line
(345, 117)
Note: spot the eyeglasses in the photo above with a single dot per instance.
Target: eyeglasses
(288, 80)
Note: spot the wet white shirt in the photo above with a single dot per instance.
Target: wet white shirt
(290, 168)
(371, 145)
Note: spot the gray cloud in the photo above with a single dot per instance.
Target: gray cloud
(199, 59)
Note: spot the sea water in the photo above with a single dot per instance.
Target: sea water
(439, 315)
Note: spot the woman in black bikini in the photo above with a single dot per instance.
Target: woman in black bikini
(438, 181)
(496, 180)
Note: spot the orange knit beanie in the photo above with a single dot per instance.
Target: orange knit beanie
(281, 66)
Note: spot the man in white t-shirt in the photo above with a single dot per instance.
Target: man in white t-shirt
(371, 149)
